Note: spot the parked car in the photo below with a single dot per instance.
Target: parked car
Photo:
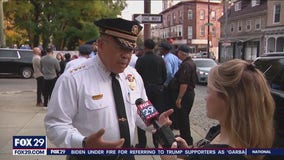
(203, 66)
(272, 66)
(205, 55)
(16, 61)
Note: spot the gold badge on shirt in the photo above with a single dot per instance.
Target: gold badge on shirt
(97, 97)
(131, 81)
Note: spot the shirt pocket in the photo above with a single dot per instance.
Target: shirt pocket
(132, 97)
(96, 102)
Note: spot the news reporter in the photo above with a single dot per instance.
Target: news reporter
(239, 98)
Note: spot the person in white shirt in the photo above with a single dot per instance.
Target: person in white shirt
(84, 53)
(83, 112)
(38, 75)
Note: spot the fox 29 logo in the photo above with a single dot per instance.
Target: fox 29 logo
(29, 142)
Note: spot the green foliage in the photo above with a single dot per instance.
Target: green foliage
(61, 22)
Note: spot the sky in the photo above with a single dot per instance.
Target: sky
(137, 7)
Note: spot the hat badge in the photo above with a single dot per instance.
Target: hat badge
(135, 29)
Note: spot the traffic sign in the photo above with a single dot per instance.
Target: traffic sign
(148, 18)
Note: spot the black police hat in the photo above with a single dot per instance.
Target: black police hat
(85, 49)
(184, 48)
(165, 46)
(124, 31)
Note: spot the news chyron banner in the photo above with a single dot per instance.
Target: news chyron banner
(29, 145)
(37, 145)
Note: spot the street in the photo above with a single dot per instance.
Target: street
(198, 118)
(20, 116)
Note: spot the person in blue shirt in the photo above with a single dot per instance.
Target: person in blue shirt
(172, 66)
(172, 61)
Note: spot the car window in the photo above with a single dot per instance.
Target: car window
(273, 70)
(8, 54)
(205, 63)
(26, 54)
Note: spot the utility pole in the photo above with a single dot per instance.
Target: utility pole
(208, 31)
(2, 34)
(147, 27)
(226, 28)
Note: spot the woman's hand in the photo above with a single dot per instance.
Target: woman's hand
(169, 157)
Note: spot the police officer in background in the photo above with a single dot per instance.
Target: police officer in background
(184, 94)
(83, 110)
(152, 68)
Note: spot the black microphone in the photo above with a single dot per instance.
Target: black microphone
(149, 115)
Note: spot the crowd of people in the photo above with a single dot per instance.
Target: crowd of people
(47, 69)
(92, 101)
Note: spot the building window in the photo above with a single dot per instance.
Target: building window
(257, 24)
(239, 26)
(277, 11)
(169, 20)
(255, 3)
(213, 15)
(190, 14)
(213, 31)
(189, 31)
(180, 16)
(174, 19)
(202, 31)
(248, 28)
(238, 6)
(232, 26)
(179, 30)
(202, 14)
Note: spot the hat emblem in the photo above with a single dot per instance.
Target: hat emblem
(135, 29)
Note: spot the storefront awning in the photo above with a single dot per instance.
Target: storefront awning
(240, 38)
(199, 41)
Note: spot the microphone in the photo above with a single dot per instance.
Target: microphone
(149, 115)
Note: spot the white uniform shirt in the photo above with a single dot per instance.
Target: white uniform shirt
(75, 62)
(82, 103)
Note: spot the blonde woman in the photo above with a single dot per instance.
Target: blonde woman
(239, 98)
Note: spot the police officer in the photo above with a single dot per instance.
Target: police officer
(82, 111)
(184, 95)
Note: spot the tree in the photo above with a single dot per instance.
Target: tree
(65, 23)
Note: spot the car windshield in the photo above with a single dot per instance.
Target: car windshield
(205, 63)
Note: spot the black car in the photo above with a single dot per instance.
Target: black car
(272, 65)
(17, 62)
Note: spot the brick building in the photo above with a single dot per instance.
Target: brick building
(187, 23)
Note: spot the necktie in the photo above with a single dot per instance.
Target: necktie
(120, 109)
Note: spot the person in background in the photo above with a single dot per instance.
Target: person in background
(153, 71)
(38, 75)
(50, 68)
(172, 65)
(133, 60)
(59, 57)
(239, 98)
(94, 47)
(61, 62)
(183, 95)
(84, 53)
(93, 105)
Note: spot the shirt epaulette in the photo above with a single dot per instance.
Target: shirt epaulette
(77, 69)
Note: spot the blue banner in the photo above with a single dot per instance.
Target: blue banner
(154, 151)
(29, 142)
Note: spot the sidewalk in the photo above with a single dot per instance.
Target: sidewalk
(20, 116)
